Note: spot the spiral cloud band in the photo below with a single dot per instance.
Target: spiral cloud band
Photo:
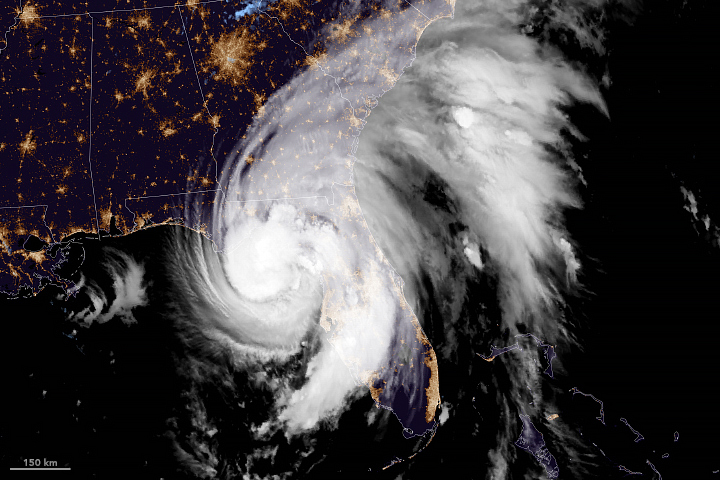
(298, 258)
(383, 190)
(478, 109)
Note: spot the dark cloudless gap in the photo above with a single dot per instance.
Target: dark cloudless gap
(654, 296)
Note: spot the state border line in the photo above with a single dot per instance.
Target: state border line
(92, 180)
(178, 6)
(126, 10)
(44, 216)
(419, 11)
(202, 94)
(7, 42)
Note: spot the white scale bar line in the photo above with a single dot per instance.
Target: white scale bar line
(41, 468)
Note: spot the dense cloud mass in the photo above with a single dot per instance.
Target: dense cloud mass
(478, 113)
(468, 163)
(463, 174)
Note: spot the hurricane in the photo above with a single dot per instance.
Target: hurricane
(450, 211)
(384, 232)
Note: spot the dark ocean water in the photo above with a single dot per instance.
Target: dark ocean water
(652, 315)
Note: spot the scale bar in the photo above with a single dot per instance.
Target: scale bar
(42, 468)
